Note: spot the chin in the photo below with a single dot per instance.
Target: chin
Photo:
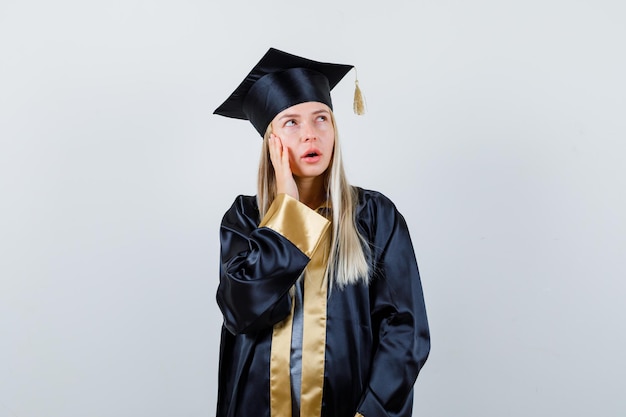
(310, 173)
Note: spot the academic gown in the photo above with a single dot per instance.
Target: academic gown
(377, 336)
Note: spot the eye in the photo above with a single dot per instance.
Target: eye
(290, 122)
(322, 118)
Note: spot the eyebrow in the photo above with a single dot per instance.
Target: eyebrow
(294, 115)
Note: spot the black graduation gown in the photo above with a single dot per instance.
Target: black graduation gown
(377, 336)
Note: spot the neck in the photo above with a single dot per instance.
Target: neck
(311, 191)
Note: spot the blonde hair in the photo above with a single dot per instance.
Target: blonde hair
(347, 261)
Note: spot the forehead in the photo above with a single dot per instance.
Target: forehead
(303, 109)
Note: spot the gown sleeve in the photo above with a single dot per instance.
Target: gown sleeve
(399, 311)
(260, 263)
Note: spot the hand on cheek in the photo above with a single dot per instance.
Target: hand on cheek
(279, 154)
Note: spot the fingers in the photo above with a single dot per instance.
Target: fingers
(279, 154)
(275, 148)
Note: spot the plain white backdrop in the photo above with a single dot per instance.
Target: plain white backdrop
(497, 128)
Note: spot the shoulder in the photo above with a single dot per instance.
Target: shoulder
(380, 223)
(376, 215)
(243, 210)
(374, 202)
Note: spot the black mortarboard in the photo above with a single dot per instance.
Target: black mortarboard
(281, 80)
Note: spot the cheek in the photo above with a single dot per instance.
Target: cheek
(287, 136)
(331, 144)
(292, 153)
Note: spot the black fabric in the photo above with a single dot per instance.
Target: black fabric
(278, 81)
(377, 335)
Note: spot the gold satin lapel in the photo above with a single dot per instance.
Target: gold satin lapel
(280, 382)
(314, 330)
(310, 232)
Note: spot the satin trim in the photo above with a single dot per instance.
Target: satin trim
(295, 221)
(314, 330)
(310, 232)
(280, 381)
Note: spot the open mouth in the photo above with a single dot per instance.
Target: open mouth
(312, 152)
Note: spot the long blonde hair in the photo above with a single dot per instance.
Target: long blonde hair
(347, 262)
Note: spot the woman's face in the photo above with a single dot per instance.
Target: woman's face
(307, 131)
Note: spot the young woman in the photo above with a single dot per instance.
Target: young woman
(319, 287)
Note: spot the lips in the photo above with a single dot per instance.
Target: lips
(311, 153)
(311, 156)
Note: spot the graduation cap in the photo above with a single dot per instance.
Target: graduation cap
(281, 80)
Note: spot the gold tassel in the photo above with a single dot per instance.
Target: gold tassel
(359, 102)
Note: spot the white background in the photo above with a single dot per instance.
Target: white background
(498, 129)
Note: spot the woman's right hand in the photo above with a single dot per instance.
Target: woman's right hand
(279, 154)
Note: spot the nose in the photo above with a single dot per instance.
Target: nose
(308, 132)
